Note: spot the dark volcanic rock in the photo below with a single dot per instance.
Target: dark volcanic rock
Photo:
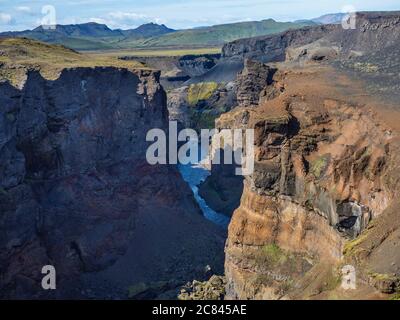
(194, 65)
(202, 114)
(254, 77)
(374, 31)
(76, 191)
(222, 189)
(176, 70)
(273, 47)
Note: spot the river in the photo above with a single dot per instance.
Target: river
(194, 174)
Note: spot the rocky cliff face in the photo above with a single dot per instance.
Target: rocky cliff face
(319, 179)
(257, 82)
(176, 70)
(273, 47)
(325, 165)
(373, 31)
(197, 105)
(76, 191)
(251, 81)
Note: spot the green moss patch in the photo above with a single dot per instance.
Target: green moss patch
(319, 166)
(396, 296)
(351, 246)
(201, 91)
(273, 254)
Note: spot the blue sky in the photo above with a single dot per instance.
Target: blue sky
(178, 14)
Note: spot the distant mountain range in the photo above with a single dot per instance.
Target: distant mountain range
(95, 36)
(332, 18)
(218, 34)
(90, 36)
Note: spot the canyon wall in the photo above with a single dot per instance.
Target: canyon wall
(319, 179)
(373, 31)
(324, 162)
(76, 191)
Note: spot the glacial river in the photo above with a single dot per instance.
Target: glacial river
(194, 174)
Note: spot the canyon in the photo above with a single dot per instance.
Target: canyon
(326, 172)
(77, 192)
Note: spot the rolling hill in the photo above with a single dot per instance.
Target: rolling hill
(216, 35)
(89, 36)
(94, 36)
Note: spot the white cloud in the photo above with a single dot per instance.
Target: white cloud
(127, 16)
(125, 20)
(5, 18)
(99, 20)
(23, 9)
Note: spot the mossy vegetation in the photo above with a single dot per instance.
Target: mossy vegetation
(396, 297)
(319, 166)
(351, 246)
(154, 52)
(201, 91)
(382, 276)
(273, 254)
(272, 258)
(278, 268)
(18, 55)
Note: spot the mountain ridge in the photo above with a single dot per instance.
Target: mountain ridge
(95, 36)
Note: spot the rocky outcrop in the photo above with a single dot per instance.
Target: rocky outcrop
(272, 48)
(197, 105)
(322, 161)
(254, 77)
(77, 192)
(222, 189)
(176, 70)
(256, 83)
(213, 289)
(197, 65)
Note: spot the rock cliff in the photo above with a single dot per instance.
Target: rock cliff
(373, 31)
(324, 187)
(319, 179)
(76, 191)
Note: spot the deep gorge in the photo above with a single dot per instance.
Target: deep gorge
(77, 192)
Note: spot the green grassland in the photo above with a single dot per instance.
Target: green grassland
(201, 91)
(204, 37)
(215, 35)
(154, 52)
(17, 55)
